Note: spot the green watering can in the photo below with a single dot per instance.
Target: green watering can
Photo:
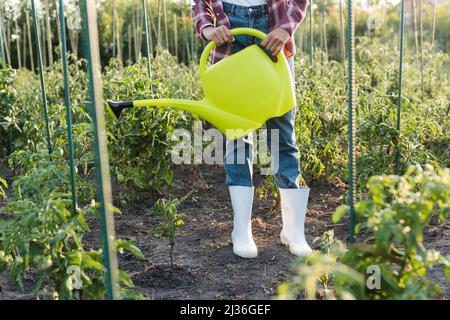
(242, 91)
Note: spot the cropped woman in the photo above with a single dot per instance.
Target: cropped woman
(279, 19)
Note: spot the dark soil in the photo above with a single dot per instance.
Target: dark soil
(205, 266)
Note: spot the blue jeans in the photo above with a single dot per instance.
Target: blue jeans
(239, 173)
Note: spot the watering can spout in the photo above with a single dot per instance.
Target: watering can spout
(191, 106)
(116, 107)
(232, 125)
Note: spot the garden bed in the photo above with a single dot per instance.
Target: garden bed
(205, 266)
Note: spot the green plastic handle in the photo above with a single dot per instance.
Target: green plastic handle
(238, 31)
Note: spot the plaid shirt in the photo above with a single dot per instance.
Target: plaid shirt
(285, 14)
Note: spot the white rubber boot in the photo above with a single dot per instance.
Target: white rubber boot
(293, 211)
(242, 201)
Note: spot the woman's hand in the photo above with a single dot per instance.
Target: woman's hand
(275, 40)
(219, 35)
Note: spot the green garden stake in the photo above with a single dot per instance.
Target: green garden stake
(3, 63)
(351, 117)
(433, 24)
(321, 22)
(421, 49)
(2, 49)
(342, 37)
(4, 36)
(67, 103)
(41, 76)
(400, 75)
(103, 180)
(191, 24)
(147, 43)
(114, 29)
(311, 35)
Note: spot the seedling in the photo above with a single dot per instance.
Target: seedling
(172, 220)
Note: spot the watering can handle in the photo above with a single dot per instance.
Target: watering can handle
(238, 31)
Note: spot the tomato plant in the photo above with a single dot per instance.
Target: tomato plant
(392, 221)
(171, 220)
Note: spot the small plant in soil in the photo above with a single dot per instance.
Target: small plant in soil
(171, 220)
(330, 247)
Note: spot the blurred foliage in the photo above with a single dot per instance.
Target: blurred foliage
(171, 27)
(42, 233)
(391, 261)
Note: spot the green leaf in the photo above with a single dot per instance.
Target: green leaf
(130, 247)
(339, 213)
(125, 279)
(447, 272)
(89, 263)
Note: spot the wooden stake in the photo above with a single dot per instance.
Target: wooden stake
(49, 33)
(8, 41)
(159, 25)
(433, 25)
(166, 30)
(5, 39)
(186, 39)
(19, 59)
(133, 22)
(58, 29)
(114, 29)
(24, 49)
(129, 43)
(151, 28)
(42, 32)
(175, 33)
(152, 21)
(414, 22)
(191, 24)
(341, 24)
(119, 44)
